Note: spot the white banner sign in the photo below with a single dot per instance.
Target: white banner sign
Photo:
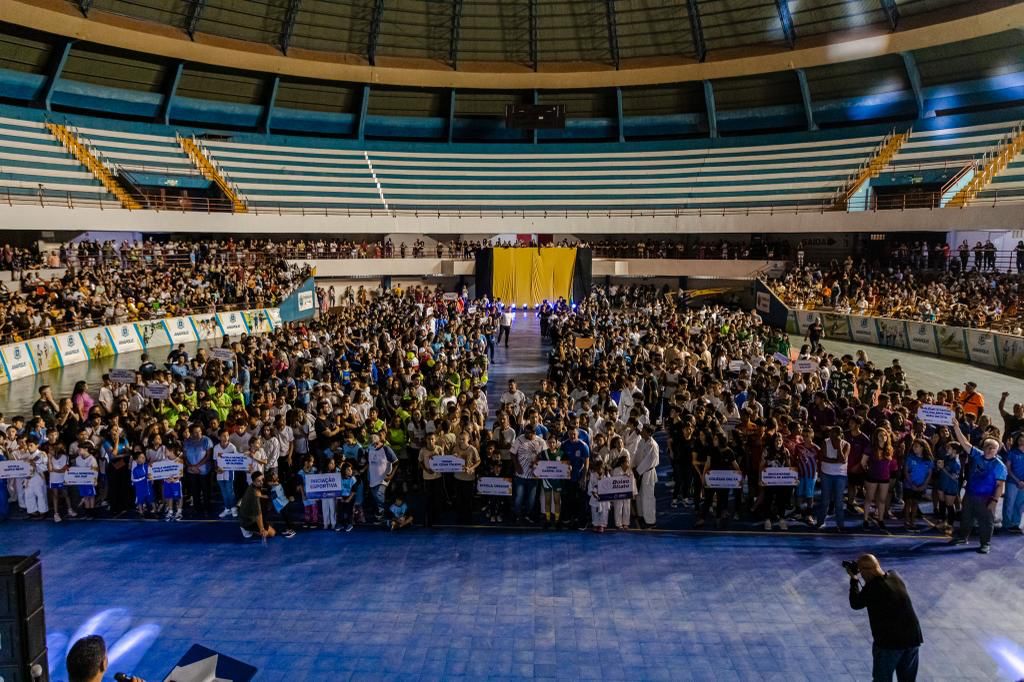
(80, 476)
(864, 330)
(72, 350)
(783, 359)
(615, 487)
(14, 469)
(780, 476)
(164, 470)
(232, 323)
(935, 414)
(17, 361)
(124, 337)
(179, 330)
(234, 462)
(805, 366)
(122, 375)
(736, 365)
(320, 486)
(723, 478)
(551, 469)
(981, 346)
(222, 354)
(447, 464)
(494, 486)
(158, 391)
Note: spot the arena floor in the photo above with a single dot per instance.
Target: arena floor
(504, 603)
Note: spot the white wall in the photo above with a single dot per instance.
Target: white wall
(28, 217)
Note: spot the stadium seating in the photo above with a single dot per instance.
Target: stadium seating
(941, 143)
(146, 158)
(1008, 185)
(32, 159)
(804, 170)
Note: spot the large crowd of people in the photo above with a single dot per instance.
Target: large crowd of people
(388, 391)
(973, 297)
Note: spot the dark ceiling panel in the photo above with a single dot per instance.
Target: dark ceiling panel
(333, 26)
(653, 28)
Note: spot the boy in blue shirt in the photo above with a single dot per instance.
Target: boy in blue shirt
(986, 482)
(400, 516)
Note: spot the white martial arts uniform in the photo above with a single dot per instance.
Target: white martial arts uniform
(645, 461)
(598, 508)
(622, 508)
(35, 484)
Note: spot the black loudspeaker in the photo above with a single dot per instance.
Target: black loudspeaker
(534, 116)
(22, 623)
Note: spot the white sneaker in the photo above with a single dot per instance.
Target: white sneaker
(234, 512)
(72, 513)
(225, 514)
(783, 525)
(767, 524)
(56, 517)
(177, 515)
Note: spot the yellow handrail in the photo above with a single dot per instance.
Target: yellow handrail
(873, 167)
(89, 160)
(210, 172)
(990, 166)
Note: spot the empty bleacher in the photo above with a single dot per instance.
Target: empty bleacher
(942, 143)
(32, 161)
(728, 175)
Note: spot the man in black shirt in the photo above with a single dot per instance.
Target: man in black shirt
(894, 625)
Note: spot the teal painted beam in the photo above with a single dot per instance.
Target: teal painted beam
(914, 76)
(57, 63)
(173, 78)
(268, 107)
(618, 115)
(709, 103)
(805, 95)
(451, 116)
(536, 100)
(364, 106)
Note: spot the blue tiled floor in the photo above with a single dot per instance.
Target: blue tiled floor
(502, 604)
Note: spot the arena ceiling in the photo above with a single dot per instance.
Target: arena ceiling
(530, 43)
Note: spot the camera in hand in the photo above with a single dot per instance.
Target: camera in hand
(851, 567)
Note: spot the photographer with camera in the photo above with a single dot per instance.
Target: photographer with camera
(894, 626)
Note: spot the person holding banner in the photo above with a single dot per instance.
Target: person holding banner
(225, 478)
(776, 497)
(720, 457)
(551, 488)
(620, 464)
(433, 488)
(142, 484)
(526, 450)
(35, 484)
(58, 464)
(172, 490)
(87, 493)
(465, 480)
(598, 508)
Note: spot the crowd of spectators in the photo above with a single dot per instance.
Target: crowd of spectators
(381, 386)
(975, 297)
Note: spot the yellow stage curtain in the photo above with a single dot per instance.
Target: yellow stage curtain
(532, 276)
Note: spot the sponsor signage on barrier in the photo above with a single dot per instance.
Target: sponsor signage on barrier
(836, 326)
(125, 338)
(160, 471)
(447, 464)
(615, 487)
(97, 343)
(892, 333)
(232, 323)
(864, 330)
(935, 414)
(274, 316)
(494, 486)
(79, 476)
(804, 320)
(179, 330)
(321, 486)
(18, 361)
(723, 478)
(1011, 352)
(42, 354)
(764, 302)
(952, 343)
(234, 462)
(551, 469)
(13, 469)
(780, 476)
(121, 375)
(981, 347)
(71, 348)
(922, 337)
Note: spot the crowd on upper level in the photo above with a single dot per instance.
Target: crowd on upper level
(382, 387)
(967, 290)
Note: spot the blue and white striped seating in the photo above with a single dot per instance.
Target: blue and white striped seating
(135, 152)
(934, 145)
(32, 160)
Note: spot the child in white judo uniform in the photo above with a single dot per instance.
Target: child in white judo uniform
(598, 507)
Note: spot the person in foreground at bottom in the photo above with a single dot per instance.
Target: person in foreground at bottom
(250, 510)
(87, 660)
(894, 626)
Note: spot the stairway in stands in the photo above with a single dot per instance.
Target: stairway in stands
(886, 149)
(210, 171)
(95, 166)
(991, 165)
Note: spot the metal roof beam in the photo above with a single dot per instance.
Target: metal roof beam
(709, 103)
(171, 89)
(84, 6)
(194, 12)
(453, 46)
(371, 40)
(268, 106)
(57, 61)
(805, 95)
(613, 31)
(786, 19)
(892, 13)
(696, 30)
(914, 76)
(289, 24)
